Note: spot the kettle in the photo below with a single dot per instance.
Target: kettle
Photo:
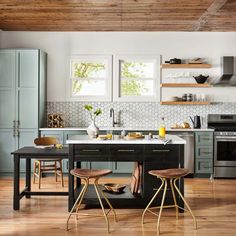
(196, 120)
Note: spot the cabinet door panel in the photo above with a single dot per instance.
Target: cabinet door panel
(28, 68)
(204, 138)
(28, 108)
(7, 88)
(71, 133)
(123, 167)
(28, 88)
(204, 152)
(7, 145)
(203, 166)
(101, 165)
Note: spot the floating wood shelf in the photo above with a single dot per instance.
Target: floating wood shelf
(176, 66)
(185, 85)
(184, 103)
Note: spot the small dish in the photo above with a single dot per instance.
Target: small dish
(115, 188)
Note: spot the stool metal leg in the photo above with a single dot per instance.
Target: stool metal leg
(103, 210)
(145, 210)
(80, 197)
(174, 198)
(162, 203)
(106, 199)
(189, 209)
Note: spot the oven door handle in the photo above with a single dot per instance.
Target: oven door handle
(225, 138)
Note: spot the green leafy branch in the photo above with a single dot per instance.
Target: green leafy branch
(93, 114)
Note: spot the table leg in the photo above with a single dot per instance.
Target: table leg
(16, 196)
(181, 188)
(28, 176)
(78, 180)
(71, 186)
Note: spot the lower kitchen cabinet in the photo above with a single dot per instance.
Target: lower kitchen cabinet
(9, 142)
(203, 154)
(7, 145)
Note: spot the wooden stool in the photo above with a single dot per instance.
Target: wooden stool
(88, 174)
(172, 175)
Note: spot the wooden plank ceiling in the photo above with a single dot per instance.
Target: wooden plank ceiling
(118, 15)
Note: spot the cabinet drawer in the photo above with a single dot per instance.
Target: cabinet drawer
(82, 152)
(203, 138)
(126, 152)
(163, 153)
(204, 152)
(203, 166)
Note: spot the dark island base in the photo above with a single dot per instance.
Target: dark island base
(121, 200)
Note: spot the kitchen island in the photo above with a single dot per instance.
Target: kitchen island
(152, 154)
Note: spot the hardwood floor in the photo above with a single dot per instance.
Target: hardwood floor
(213, 203)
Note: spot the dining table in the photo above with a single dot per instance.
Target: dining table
(27, 154)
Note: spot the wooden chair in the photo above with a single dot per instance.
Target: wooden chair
(44, 165)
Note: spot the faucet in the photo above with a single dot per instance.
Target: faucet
(112, 115)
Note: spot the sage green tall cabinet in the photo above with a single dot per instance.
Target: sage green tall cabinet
(22, 100)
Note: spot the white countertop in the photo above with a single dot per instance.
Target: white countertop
(123, 128)
(84, 139)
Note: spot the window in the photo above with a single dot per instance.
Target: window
(136, 78)
(90, 78)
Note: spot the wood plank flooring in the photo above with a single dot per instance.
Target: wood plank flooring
(213, 203)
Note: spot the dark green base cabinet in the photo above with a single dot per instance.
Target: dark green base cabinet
(203, 154)
(116, 167)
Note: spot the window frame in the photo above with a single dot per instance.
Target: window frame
(117, 78)
(108, 81)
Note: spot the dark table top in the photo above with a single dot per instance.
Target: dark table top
(33, 151)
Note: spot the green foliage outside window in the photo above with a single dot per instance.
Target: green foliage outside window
(85, 70)
(131, 71)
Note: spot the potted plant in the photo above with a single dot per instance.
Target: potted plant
(92, 130)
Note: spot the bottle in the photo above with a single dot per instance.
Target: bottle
(162, 129)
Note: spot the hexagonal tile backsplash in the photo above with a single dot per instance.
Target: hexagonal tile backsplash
(135, 114)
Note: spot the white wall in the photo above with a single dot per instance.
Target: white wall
(60, 45)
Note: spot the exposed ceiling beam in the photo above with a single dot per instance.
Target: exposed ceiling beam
(211, 10)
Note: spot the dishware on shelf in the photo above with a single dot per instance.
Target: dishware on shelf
(174, 61)
(201, 79)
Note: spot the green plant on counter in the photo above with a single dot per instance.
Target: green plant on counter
(93, 114)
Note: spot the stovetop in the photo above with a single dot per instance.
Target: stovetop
(222, 122)
(223, 128)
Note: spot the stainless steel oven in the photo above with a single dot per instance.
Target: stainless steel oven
(225, 155)
(224, 145)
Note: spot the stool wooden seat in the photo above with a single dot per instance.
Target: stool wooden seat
(169, 173)
(171, 176)
(86, 175)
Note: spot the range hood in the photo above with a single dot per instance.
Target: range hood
(228, 77)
